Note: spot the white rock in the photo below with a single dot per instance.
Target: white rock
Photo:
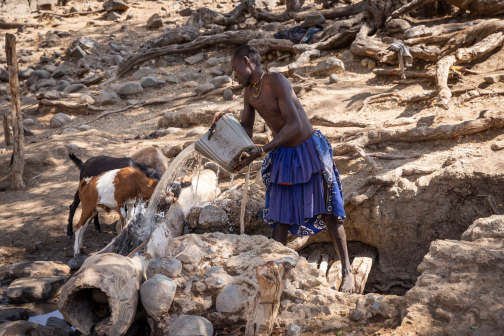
(198, 131)
(230, 300)
(157, 295)
(189, 325)
(192, 254)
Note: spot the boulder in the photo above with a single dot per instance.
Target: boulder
(329, 66)
(154, 21)
(25, 73)
(118, 47)
(221, 81)
(59, 119)
(186, 325)
(170, 151)
(313, 19)
(194, 59)
(168, 266)
(108, 98)
(198, 131)
(13, 314)
(212, 216)
(204, 88)
(85, 43)
(130, 88)
(111, 5)
(172, 80)
(24, 328)
(192, 254)
(347, 56)
(230, 300)
(45, 83)
(50, 68)
(60, 71)
(212, 61)
(38, 269)
(228, 95)
(333, 78)
(157, 295)
(77, 53)
(74, 88)
(139, 74)
(59, 324)
(35, 289)
(150, 82)
(28, 122)
(37, 75)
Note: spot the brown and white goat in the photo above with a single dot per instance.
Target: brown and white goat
(112, 190)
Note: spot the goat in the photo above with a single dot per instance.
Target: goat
(95, 166)
(112, 190)
(151, 157)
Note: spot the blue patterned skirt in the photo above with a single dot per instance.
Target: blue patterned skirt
(294, 186)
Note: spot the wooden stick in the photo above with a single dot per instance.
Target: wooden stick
(17, 118)
(317, 120)
(369, 160)
(7, 131)
(263, 307)
(361, 266)
(244, 202)
(334, 275)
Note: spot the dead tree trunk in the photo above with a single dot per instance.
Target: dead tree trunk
(263, 308)
(17, 119)
(7, 131)
(171, 36)
(204, 16)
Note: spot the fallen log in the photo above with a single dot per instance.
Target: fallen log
(229, 38)
(442, 73)
(437, 30)
(171, 36)
(483, 47)
(263, 307)
(204, 16)
(303, 58)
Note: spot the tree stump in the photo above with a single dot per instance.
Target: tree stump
(7, 131)
(263, 308)
(17, 119)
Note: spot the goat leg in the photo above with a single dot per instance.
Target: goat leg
(73, 208)
(97, 224)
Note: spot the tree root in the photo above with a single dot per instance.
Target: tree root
(437, 30)
(266, 45)
(394, 94)
(474, 94)
(493, 204)
(171, 36)
(334, 13)
(317, 120)
(385, 289)
(204, 16)
(442, 72)
(486, 121)
(303, 58)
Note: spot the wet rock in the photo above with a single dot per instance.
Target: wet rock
(25, 73)
(130, 88)
(194, 59)
(108, 98)
(157, 295)
(13, 314)
(228, 95)
(73, 88)
(82, 128)
(186, 325)
(59, 119)
(313, 19)
(329, 66)
(270, 27)
(221, 81)
(22, 328)
(347, 56)
(38, 269)
(198, 131)
(204, 88)
(59, 324)
(150, 82)
(167, 266)
(60, 71)
(143, 73)
(154, 22)
(333, 78)
(77, 53)
(37, 75)
(35, 289)
(172, 80)
(212, 216)
(230, 300)
(170, 151)
(192, 254)
(112, 16)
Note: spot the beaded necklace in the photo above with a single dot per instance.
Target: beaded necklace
(257, 87)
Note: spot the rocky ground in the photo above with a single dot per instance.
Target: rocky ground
(428, 226)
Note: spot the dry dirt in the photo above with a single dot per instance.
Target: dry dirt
(33, 221)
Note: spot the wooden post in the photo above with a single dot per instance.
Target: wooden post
(263, 307)
(17, 119)
(7, 131)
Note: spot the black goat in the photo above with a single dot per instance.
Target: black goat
(95, 166)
